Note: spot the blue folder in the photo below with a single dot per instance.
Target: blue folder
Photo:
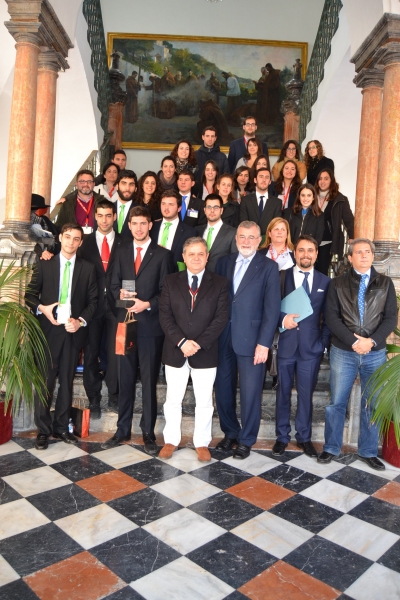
(297, 302)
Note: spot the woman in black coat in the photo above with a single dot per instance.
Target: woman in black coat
(316, 161)
(337, 211)
(225, 188)
(305, 217)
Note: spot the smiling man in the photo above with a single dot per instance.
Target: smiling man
(238, 148)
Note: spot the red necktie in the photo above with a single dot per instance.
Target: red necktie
(138, 260)
(105, 253)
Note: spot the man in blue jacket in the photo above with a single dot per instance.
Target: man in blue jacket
(301, 348)
(254, 294)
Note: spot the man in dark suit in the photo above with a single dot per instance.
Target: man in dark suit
(126, 185)
(170, 232)
(194, 308)
(259, 206)
(220, 237)
(254, 312)
(99, 248)
(238, 148)
(67, 282)
(192, 207)
(147, 263)
(301, 348)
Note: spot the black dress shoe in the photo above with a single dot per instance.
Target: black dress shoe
(95, 412)
(308, 448)
(279, 449)
(150, 445)
(66, 437)
(115, 441)
(373, 462)
(241, 451)
(226, 444)
(42, 441)
(325, 457)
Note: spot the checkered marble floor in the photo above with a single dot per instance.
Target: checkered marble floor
(82, 523)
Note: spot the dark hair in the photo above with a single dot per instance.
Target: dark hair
(191, 158)
(333, 188)
(226, 176)
(215, 166)
(69, 226)
(214, 197)
(238, 171)
(256, 141)
(169, 157)
(285, 147)
(172, 194)
(297, 206)
(107, 166)
(105, 204)
(139, 211)
(262, 169)
(84, 172)
(209, 128)
(187, 172)
(307, 238)
(320, 152)
(248, 118)
(154, 202)
(119, 152)
(254, 169)
(126, 174)
(279, 183)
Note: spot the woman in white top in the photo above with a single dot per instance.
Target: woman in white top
(209, 178)
(107, 188)
(254, 149)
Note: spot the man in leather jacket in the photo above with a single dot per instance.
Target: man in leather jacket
(361, 311)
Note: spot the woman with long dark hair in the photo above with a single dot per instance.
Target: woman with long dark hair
(167, 175)
(305, 217)
(184, 156)
(337, 212)
(242, 184)
(254, 149)
(148, 194)
(287, 184)
(108, 188)
(315, 160)
(209, 179)
(290, 151)
(224, 186)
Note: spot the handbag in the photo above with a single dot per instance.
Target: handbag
(272, 360)
(126, 338)
(80, 416)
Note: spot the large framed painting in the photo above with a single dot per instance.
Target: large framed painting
(176, 85)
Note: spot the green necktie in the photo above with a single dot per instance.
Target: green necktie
(121, 218)
(209, 238)
(164, 238)
(65, 283)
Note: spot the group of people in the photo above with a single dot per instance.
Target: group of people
(212, 256)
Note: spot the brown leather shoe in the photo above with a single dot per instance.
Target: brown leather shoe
(167, 451)
(203, 454)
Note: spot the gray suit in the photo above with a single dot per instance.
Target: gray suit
(223, 244)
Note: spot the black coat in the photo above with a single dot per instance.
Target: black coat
(310, 225)
(197, 205)
(183, 232)
(204, 325)
(204, 154)
(67, 210)
(249, 210)
(125, 231)
(316, 168)
(238, 149)
(273, 192)
(341, 213)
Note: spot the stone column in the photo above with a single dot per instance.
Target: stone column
(45, 123)
(371, 80)
(291, 126)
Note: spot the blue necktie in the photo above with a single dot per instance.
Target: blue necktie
(305, 282)
(183, 209)
(361, 296)
(240, 274)
(261, 205)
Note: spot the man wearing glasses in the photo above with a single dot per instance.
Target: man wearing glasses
(238, 148)
(78, 206)
(255, 298)
(219, 237)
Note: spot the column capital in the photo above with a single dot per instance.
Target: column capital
(386, 30)
(48, 59)
(388, 55)
(369, 78)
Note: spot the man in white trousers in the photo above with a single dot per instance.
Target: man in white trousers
(193, 308)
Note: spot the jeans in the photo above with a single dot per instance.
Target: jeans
(345, 365)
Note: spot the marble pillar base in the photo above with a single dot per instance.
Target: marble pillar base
(387, 261)
(16, 244)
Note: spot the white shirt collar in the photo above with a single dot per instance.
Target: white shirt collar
(199, 277)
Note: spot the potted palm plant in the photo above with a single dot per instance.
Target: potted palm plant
(22, 349)
(384, 399)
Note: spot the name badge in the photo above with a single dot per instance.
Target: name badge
(193, 213)
(63, 313)
(87, 230)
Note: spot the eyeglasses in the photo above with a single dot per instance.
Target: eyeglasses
(291, 149)
(312, 147)
(85, 181)
(213, 207)
(243, 238)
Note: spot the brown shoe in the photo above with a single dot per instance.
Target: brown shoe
(167, 451)
(203, 454)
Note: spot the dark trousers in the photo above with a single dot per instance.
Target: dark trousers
(251, 379)
(91, 374)
(148, 357)
(62, 360)
(306, 379)
(324, 258)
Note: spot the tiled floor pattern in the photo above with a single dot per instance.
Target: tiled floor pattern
(82, 523)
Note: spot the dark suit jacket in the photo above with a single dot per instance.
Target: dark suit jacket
(312, 335)
(255, 308)
(194, 204)
(224, 244)
(310, 225)
(67, 210)
(89, 251)
(183, 232)
(156, 264)
(204, 325)
(273, 192)
(249, 210)
(44, 289)
(125, 231)
(237, 150)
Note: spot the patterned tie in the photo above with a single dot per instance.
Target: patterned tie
(138, 260)
(183, 209)
(361, 296)
(305, 282)
(65, 283)
(209, 238)
(105, 253)
(121, 218)
(240, 274)
(164, 238)
(261, 205)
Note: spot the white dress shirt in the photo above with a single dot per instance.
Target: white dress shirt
(265, 196)
(299, 277)
(216, 227)
(110, 239)
(198, 275)
(63, 262)
(102, 189)
(171, 232)
(144, 249)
